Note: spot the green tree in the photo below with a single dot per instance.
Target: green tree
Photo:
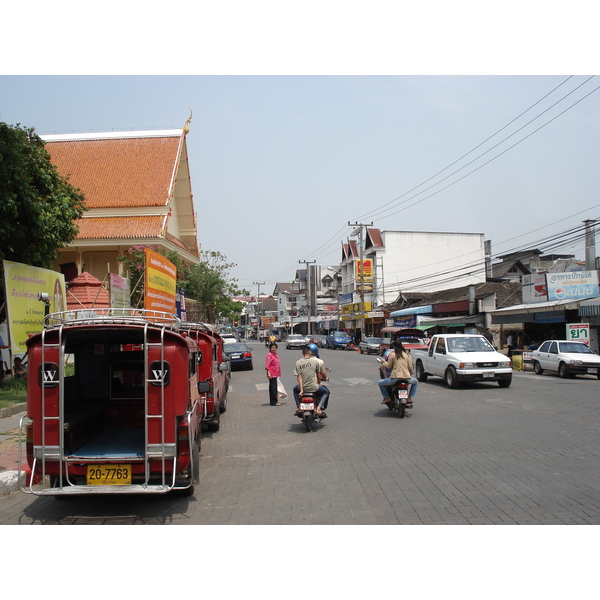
(210, 284)
(38, 207)
(207, 282)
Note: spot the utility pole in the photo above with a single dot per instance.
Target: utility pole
(590, 245)
(258, 283)
(361, 271)
(308, 293)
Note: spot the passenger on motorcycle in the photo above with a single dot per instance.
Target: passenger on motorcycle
(400, 366)
(310, 371)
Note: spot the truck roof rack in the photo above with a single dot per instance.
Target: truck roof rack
(111, 316)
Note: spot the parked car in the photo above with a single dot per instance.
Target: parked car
(295, 340)
(369, 345)
(319, 340)
(410, 338)
(566, 358)
(239, 355)
(338, 339)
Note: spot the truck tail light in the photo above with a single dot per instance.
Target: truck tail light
(29, 440)
(183, 436)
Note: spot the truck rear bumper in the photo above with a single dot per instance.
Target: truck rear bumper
(464, 375)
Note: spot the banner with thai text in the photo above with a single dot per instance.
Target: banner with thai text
(161, 278)
(23, 284)
(576, 285)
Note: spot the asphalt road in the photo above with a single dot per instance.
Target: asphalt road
(529, 454)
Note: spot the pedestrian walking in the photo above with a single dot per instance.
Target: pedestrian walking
(273, 368)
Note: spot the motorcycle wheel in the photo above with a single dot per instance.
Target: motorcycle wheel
(401, 409)
(308, 421)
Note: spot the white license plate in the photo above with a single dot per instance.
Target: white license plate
(235, 355)
(488, 374)
(307, 406)
(403, 394)
(592, 371)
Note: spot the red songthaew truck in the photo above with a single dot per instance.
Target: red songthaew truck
(114, 403)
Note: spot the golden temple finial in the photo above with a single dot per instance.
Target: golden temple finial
(186, 127)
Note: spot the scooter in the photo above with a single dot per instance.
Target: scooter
(398, 394)
(308, 410)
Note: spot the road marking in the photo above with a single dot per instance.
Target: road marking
(358, 381)
(261, 387)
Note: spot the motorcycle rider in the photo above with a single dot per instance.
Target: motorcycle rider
(310, 371)
(399, 363)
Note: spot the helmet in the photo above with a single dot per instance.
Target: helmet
(314, 349)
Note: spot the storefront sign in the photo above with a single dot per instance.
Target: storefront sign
(578, 332)
(572, 286)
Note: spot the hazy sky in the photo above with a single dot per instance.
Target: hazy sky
(281, 163)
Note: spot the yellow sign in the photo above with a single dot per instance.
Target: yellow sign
(22, 284)
(161, 279)
(366, 271)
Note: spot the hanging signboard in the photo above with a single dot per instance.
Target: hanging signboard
(364, 275)
(23, 285)
(575, 285)
(161, 277)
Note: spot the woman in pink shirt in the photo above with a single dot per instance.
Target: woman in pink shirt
(273, 369)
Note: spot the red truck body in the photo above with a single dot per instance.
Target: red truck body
(213, 369)
(114, 404)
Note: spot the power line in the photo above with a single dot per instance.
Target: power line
(382, 209)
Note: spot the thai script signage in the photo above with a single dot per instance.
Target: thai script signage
(23, 284)
(160, 282)
(119, 291)
(572, 286)
(578, 332)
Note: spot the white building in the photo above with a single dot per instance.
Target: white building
(397, 262)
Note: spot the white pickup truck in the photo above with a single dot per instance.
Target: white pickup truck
(462, 358)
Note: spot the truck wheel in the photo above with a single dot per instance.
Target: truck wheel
(223, 404)
(504, 383)
(215, 425)
(420, 372)
(451, 378)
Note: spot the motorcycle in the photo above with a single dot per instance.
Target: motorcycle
(398, 393)
(308, 410)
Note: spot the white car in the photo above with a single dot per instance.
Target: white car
(567, 358)
(295, 340)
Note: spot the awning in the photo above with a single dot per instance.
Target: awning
(537, 307)
(589, 308)
(416, 310)
(552, 311)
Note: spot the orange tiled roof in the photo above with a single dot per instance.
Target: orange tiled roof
(85, 291)
(114, 173)
(119, 227)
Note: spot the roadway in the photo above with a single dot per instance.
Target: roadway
(529, 454)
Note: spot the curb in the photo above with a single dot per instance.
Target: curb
(9, 481)
(9, 411)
